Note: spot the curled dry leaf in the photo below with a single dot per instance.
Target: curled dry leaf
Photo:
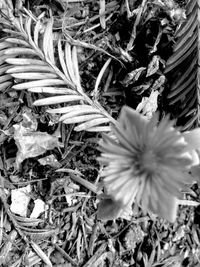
(149, 104)
(32, 144)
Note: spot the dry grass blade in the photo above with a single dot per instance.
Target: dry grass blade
(41, 254)
(7, 247)
(80, 180)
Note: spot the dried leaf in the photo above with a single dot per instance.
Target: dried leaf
(149, 104)
(50, 160)
(153, 66)
(32, 144)
(38, 208)
(133, 76)
(19, 200)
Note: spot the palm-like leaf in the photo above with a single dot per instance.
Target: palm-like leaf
(29, 54)
(183, 69)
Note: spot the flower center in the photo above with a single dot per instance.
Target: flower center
(148, 162)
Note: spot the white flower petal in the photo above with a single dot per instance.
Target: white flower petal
(129, 116)
(118, 181)
(193, 138)
(127, 192)
(195, 158)
(167, 205)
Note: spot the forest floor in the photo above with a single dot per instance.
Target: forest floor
(49, 176)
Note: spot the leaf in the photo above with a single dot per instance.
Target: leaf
(91, 124)
(62, 60)
(84, 109)
(50, 160)
(157, 85)
(133, 76)
(20, 199)
(24, 57)
(149, 105)
(153, 66)
(25, 61)
(95, 93)
(32, 143)
(27, 68)
(102, 6)
(38, 209)
(75, 69)
(182, 70)
(11, 41)
(52, 90)
(70, 109)
(48, 42)
(45, 82)
(37, 29)
(82, 118)
(68, 61)
(57, 100)
(20, 51)
(33, 75)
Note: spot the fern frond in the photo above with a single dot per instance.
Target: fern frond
(41, 64)
(182, 69)
(5, 78)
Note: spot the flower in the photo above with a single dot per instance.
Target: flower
(148, 163)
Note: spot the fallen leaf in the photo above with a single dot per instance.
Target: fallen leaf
(153, 66)
(133, 76)
(19, 200)
(38, 208)
(50, 160)
(32, 144)
(149, 104)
